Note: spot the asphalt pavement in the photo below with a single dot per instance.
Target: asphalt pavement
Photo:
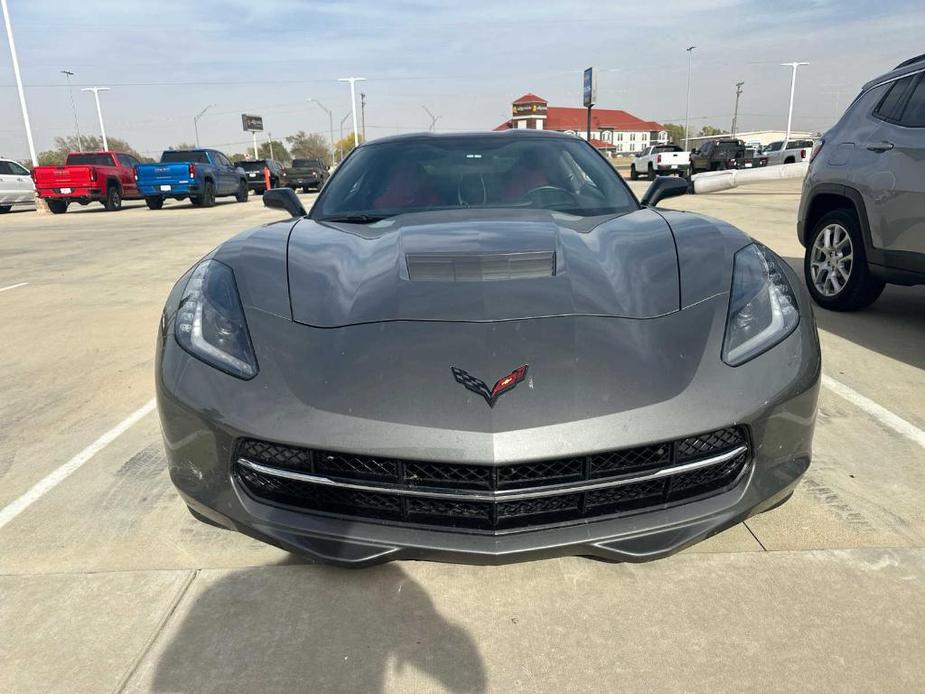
(108, 584)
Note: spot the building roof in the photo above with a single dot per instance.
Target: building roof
(568, 118)
(600, 144)
(530, 98)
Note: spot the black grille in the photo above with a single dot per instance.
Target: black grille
(499, 514)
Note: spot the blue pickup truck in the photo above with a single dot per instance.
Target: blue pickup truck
(198, 174)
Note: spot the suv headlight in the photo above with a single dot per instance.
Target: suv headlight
(210, 321)
(762, 306)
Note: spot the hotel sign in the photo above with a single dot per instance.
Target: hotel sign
(529, 109)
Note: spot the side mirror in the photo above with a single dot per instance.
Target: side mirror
(664, 187)
(284, 199)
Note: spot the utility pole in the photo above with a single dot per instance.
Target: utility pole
(99, 111)
(433, 119)
(735, 114)
(363, 114)
(18, 76)
(353, 104)
(270, 142)
(330, 123)
(67, 75)
(687, 114)
(793, 84)
(196, 121)
(342, 121)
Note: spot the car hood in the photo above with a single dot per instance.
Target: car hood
(482, 266)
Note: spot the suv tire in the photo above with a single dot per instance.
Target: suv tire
(243, 192)
(634, 175)
(835, 264)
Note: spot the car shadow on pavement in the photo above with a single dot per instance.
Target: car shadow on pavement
(893, 326)
(305, 628)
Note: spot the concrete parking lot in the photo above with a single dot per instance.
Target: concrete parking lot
(108, 584)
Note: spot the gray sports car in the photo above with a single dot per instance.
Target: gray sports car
(484, 348)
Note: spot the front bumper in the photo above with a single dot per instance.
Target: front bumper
(773, 398)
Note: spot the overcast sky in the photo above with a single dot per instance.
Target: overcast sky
(466, 61)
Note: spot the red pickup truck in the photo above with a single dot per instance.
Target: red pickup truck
(106, 177)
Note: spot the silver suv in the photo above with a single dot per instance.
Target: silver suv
(862, 214)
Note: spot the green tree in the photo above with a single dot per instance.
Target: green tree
(91, 143)
(709, 131)
(240, 157)
(184, 146)
(279, 151)
(304, 145)
(675, 133)
(345, 146)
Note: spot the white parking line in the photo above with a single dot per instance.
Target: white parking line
(53, 479)
(878, 412)
(13, 286)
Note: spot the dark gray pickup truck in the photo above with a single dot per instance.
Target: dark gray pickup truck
(307, 174)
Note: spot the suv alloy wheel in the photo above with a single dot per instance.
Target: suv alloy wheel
(835, 264)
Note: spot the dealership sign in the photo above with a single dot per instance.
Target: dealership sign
(252, 123)
(590, 88)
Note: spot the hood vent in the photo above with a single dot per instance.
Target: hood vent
(474, 267)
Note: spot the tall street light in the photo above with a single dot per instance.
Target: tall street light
(99, 111)
(67, 75)
(330, 123)
(196, 122)
(353, 104)
(793, 84)
(22, 95)
(687, 115)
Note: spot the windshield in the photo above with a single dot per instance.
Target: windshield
(184, 157)
(414, 175)
(306, 163)
(89, 160)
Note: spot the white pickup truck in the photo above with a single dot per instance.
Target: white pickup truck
(660, 160)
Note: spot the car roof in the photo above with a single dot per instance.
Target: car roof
(520, 133)
(907, 67)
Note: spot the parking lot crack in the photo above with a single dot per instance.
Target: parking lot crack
(760, 543)
(156, 632)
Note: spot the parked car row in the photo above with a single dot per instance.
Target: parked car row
(109, 177)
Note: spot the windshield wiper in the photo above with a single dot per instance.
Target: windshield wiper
(355, 218)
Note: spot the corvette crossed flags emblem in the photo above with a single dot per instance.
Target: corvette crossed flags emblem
(502, 385)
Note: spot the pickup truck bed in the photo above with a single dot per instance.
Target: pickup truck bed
(86, 177)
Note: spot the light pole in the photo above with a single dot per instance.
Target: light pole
(67, 75)
(99, 111)
(363, 114)
(735, 114)
(22, 95)
(433, 119)
(687, 114)
(196, 121)
(793, 84)
(330, 123)
(353, 104)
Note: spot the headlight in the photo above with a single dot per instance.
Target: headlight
(762, 307)
(210, 322)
